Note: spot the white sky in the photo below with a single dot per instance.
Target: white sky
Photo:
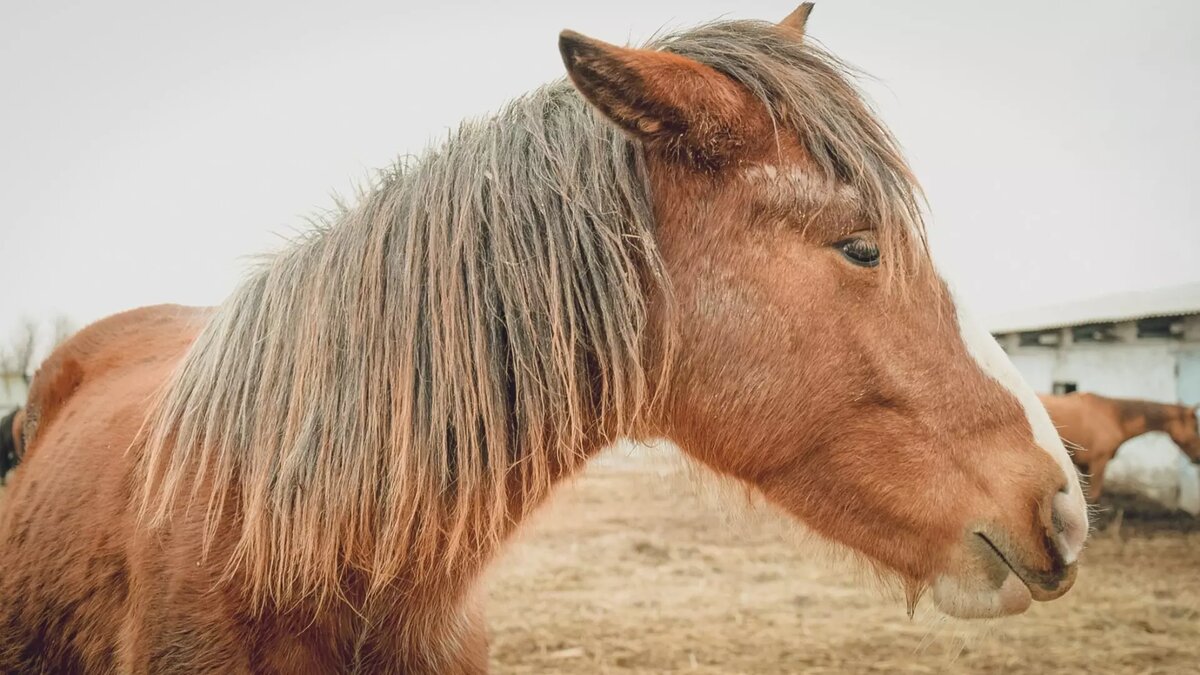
(147, 148)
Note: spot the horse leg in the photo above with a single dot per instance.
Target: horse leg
(1096, 482)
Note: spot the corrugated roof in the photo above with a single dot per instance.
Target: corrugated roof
(1170, 301)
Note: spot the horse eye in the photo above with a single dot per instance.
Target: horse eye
(861, 252)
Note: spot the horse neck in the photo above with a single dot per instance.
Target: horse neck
(1142, 417)
(419, 609)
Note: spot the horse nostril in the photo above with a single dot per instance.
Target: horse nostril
(1068, 517)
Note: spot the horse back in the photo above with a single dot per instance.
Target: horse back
(66, 521)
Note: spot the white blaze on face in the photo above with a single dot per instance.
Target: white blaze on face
(994, 362)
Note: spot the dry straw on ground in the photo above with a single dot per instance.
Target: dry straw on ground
(629, 571)
(632, 569)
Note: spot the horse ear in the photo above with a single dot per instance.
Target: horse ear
(798, 18)
(675, 105)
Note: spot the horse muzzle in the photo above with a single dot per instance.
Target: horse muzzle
(998, 573)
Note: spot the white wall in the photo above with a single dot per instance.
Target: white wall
(1037, 365)
(1150, 464)
(1188, 393)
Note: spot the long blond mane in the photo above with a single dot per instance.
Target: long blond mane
(391, 392)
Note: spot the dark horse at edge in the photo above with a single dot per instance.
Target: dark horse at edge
(10, 444)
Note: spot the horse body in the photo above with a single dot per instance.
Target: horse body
(1096, 427)
(80, 473)
(128, 600)
(713, 242)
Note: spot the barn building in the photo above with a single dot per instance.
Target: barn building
(1142, 345)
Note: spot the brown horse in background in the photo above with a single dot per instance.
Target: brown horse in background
(1094, 427)
(10, 442)
(710, 240)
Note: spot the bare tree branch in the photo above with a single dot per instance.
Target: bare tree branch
(63, 329)
(22, 348)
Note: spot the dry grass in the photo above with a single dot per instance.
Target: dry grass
(632, 571)
(635, 570)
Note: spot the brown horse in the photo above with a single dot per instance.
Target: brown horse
(711, 240)
(10, 442)
(1095, 427)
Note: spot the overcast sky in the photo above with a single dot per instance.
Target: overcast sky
(147, 148)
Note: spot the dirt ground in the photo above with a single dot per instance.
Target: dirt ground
(637, 567)
(634, 569)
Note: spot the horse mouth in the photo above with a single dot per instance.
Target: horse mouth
(1000, 554)
(1042, 587)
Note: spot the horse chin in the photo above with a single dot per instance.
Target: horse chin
(966, 598)
(981, 583)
